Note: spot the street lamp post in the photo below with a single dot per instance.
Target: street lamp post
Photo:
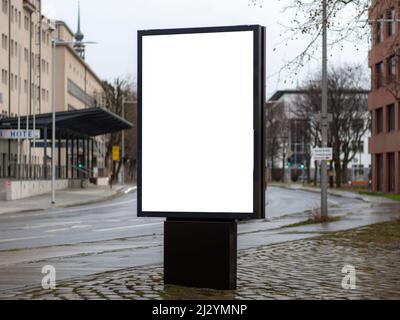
(19, 116)
(124, 101)
(53, 139)
(56, 42)
(324, 111)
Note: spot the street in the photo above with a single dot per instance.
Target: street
(108, 236)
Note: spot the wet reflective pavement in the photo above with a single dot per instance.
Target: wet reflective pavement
(83, 241)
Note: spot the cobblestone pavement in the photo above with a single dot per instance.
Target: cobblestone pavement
(305, 269)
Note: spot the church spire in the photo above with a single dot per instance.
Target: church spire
(79, 35)
(79, 46)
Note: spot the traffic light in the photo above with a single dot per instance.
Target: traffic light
(302, 166)
(290, 162)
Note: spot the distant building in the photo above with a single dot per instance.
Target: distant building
(27, 59)
(297, 146)
(384, 144)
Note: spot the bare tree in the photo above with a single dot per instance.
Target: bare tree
(306, 107)
(347, 102)
(277, 137)
(115, 93)
(349, 21)
(131, 139)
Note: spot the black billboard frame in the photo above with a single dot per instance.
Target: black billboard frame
(259, 176)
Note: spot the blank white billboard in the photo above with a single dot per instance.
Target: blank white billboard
(197, 119)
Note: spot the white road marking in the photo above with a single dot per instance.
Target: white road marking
(52, 224)
(69, 229)
(128, 227)
(57, 230)
(81, 227)
(23, 239)
(98, 207)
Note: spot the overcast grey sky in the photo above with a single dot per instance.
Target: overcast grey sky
(114, 24)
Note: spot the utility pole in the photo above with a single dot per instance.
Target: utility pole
(19, 116)
(324, 111)
(53, 139)
(123, 145)
(55, 42)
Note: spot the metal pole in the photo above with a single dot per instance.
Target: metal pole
(324, 111)
(19, 116)
(53, 140)
(123, 145)
(37, 99)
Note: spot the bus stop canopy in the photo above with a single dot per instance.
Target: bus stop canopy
(89, 122)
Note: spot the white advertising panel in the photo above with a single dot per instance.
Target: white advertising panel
(197, 122)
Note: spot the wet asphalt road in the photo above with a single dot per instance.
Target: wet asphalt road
(116, 219)
(109, 236)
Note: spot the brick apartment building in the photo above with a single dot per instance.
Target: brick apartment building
(384, 145)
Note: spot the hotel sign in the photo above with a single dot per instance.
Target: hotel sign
(21, 134)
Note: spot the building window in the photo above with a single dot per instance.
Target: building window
(4, 41)
(391, 120)
(391, 172)
(392, 22)
(380, 30)
(391, 66)
(379, 75)
(4, 6)
(361, 147)
(26, 23)
(4, 76)
(379, 171)
(379, 120)
(358, 147)
(358, 172)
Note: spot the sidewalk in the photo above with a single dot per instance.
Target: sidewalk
(338, 193)
(64, 198)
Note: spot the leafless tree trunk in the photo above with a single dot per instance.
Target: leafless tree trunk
(347, 103)
(115, 93)
(276, 122)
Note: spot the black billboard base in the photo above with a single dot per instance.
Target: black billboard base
(200, 254)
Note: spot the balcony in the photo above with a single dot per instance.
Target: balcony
(30, 5)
